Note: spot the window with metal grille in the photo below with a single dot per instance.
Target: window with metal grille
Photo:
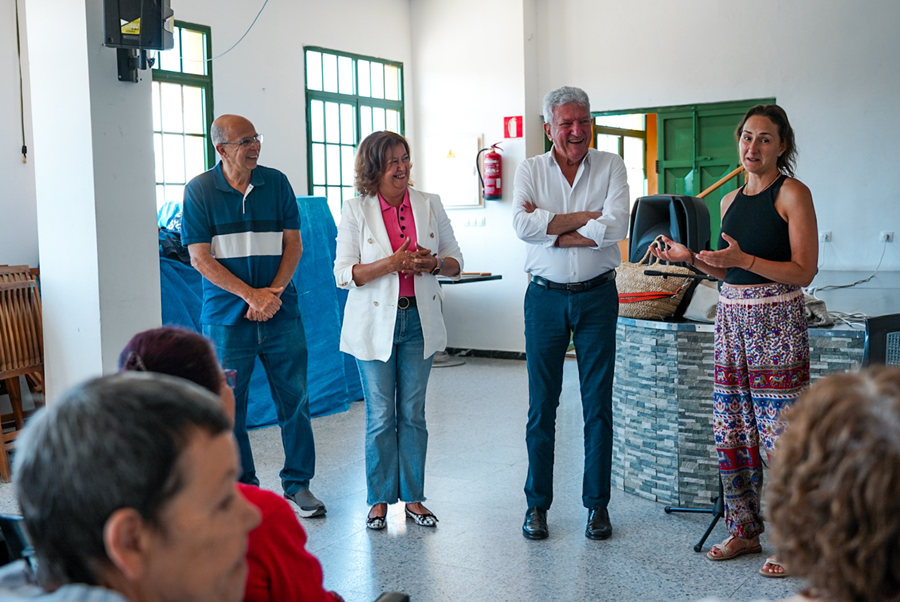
(348, 97)
(182, 114)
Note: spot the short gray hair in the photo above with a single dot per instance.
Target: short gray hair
(217, 133)
(563, 96)
(113, 442)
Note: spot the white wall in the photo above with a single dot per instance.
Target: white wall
(464, 84)
(263, 77)
(18, 212)
(832, 64)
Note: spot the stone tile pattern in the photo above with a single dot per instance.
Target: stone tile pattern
(663, 448)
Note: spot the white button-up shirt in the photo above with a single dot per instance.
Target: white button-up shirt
(600, 184)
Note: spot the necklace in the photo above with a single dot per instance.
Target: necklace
(764, 188)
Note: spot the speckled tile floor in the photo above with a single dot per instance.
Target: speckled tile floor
(475, 473)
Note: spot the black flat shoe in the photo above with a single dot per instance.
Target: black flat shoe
(423, 520)
(376, 523)
(598, 526)
(535, 525)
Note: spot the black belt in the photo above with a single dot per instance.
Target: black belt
(406, 302)
(575, 287)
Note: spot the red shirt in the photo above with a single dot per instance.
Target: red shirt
(400, 224)
(281, 569)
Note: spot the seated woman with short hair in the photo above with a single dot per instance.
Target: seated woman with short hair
(834, 493)
(280, 566)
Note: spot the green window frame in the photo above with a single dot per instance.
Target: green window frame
(348, 96)
(182, 113)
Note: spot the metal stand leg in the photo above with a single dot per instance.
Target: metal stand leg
(718, 511)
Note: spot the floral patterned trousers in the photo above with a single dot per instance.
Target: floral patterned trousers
(762, 366)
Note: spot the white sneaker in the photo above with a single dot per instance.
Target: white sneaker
(309, 504)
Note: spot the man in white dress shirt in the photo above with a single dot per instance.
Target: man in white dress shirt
(571, 207)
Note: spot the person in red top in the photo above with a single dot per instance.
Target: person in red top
(280, 566)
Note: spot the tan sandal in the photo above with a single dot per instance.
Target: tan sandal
(725, 554)
(772, 561)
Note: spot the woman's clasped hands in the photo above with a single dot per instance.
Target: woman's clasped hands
(417, 261)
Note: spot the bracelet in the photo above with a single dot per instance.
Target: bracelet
(693, 259)
(751, 264)
(438, 267)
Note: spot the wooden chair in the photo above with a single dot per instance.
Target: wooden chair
(21, 353)
(15, 273)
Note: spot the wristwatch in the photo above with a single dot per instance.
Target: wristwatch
(440, 266)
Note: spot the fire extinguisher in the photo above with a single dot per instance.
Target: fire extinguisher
(493, 166)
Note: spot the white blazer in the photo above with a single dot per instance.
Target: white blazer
(371, 312)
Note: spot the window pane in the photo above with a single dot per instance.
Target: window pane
(175, 193)
(157, 118)
(345, 75)
(170, 60)
(333, 164)
(365, 122)
(313, 70)
(347, 165)
(193, 110)
(608, 143)
(157, 153)
(391, 83)
(334, 202)
(173, 158)
(332, 124)
(627, 122)
(634, 163)
(318, 163)
(329, 73)
(317, 120)
(194, 156)
(171, 108)
(378, 122)
(160, 196)
(348, 127)
(392, 119)
(319, 191)
(362, 69)
(192, 52)
(377, 80)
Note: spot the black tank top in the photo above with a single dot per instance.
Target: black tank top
(758, 228)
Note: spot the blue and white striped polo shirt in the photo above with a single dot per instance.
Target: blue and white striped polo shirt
(245, 235)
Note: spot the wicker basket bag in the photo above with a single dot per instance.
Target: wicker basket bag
(650, 297)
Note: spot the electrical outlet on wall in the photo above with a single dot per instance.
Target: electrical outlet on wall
(825, 236)
(885, 236)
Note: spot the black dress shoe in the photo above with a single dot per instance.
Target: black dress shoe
(598, 526)
(535, 525)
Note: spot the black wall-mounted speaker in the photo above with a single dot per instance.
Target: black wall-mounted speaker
(138, 24)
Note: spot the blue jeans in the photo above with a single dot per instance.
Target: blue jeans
(281, 347)
(551, 318)
(396, 437)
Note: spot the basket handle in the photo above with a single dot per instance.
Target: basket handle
(657, 243)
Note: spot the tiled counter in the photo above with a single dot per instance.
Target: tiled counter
(663, 446)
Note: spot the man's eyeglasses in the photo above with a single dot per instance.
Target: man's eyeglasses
(230, 377)
(245, 142)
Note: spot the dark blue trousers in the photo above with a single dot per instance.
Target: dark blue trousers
(551, 318)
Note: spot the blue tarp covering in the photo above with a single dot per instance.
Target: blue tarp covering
(333, 378)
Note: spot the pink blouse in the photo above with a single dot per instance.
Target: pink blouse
(400, 224)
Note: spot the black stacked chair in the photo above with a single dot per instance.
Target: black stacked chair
(882, 344)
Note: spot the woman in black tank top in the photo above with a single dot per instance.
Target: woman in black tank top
(767, 251)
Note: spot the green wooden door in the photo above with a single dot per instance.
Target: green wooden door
(697, 148)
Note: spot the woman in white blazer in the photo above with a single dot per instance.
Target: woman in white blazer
(392, 243)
